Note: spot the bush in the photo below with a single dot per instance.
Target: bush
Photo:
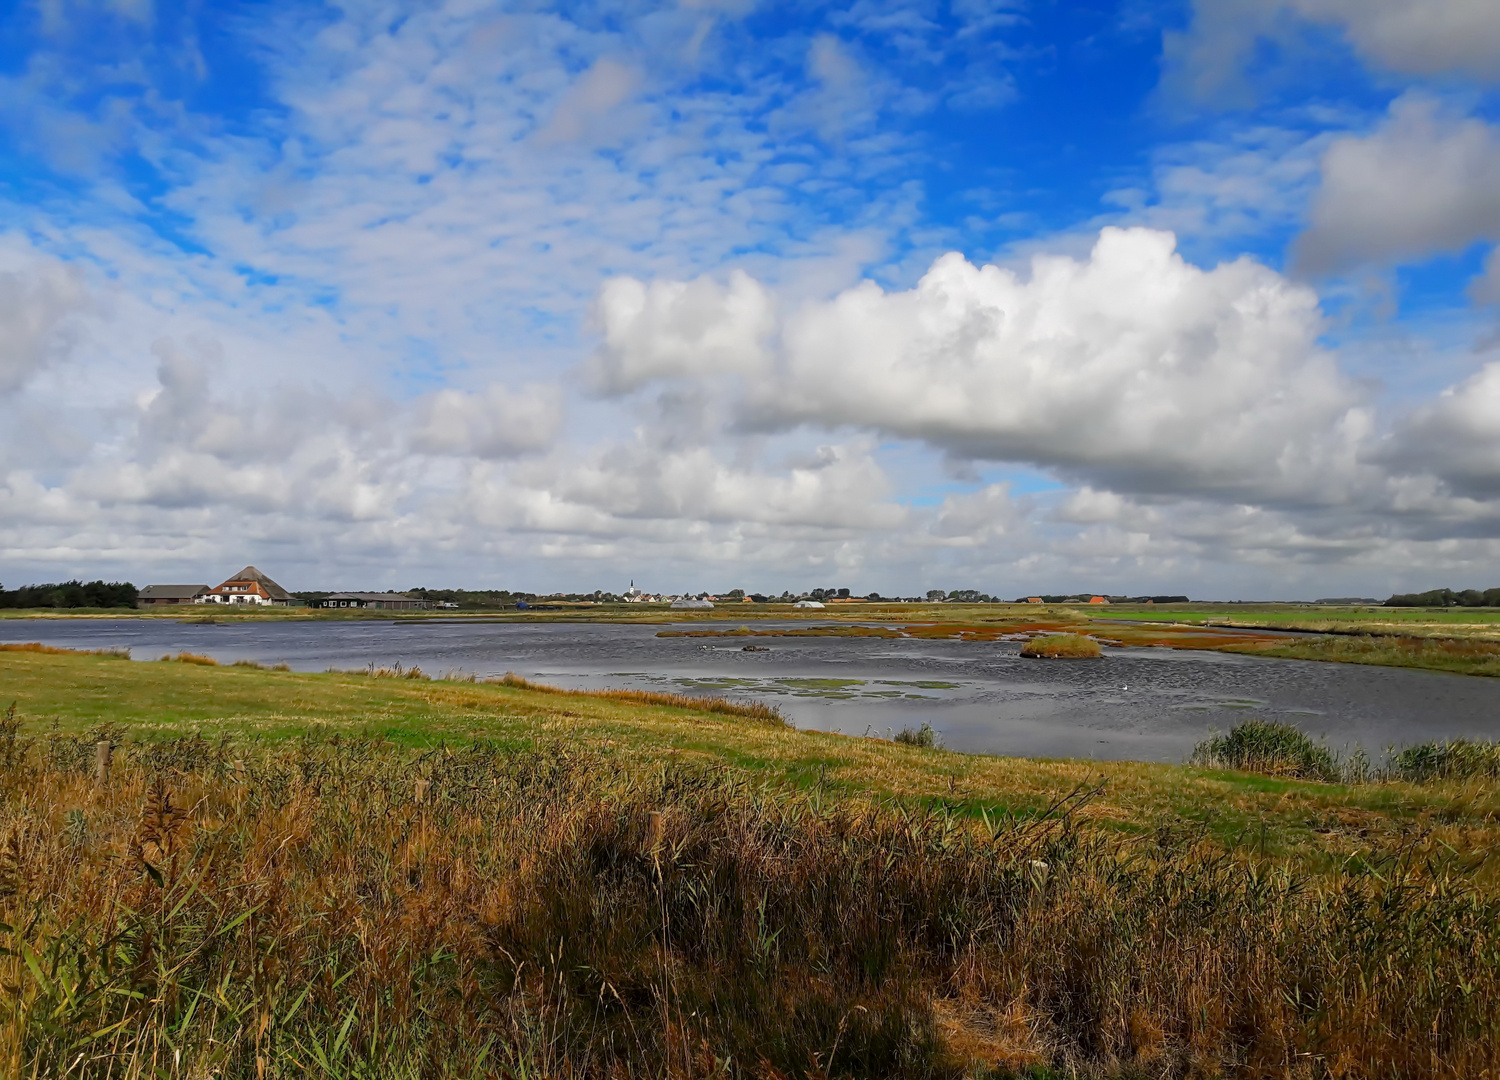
(1269, 747)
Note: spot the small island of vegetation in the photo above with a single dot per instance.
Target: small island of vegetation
(1062, 647)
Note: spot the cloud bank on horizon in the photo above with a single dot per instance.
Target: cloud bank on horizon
(1135, 295)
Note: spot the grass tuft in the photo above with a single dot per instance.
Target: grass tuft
(923, 737)
(199, 659)
(1062, 646)
(1268, 747)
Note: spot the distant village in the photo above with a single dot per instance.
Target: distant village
(252, 587)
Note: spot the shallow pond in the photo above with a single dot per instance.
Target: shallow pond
(1147, 704)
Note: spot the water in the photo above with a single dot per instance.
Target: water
(1147, 704)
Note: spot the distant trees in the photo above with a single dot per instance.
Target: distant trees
(71, 594)
(1084, 598)
(1447, 598)
(828, 594)
(472, 598)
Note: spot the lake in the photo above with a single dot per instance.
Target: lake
(1150, 704)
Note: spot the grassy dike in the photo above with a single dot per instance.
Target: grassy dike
(343, 875)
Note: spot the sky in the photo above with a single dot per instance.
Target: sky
(1020, 296)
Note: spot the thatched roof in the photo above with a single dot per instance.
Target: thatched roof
(273, 590)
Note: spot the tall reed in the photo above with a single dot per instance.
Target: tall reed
(342, 909)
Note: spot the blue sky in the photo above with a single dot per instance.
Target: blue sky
(1015, 296)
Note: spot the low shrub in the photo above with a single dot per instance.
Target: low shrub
(1062, 647)
(1269, 747)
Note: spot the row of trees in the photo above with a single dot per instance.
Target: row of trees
(71, 594)
(1447, 598)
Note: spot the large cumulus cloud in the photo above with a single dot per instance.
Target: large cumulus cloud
(1132, 365)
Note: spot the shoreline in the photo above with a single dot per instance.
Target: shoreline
(1351, 636)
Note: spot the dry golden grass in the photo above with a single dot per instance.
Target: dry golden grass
(355, 909)
(52, 650)
(194, 658)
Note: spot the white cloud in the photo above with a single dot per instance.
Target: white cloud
(1456, 437)
(1132, 365)
(496, 423)
(833, 487)
(585, 111)
(1418, 37)
(988, 516)
(38, 309)
(1424, 182)
(1239, 185)
(1408, 37)
(669, 329)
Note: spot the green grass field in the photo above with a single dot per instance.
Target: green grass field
(338, 875)
(71, 694)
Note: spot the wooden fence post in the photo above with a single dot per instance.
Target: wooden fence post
(101, 763)
(420, 789)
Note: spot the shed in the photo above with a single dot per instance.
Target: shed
(152, 595)
(386, 600)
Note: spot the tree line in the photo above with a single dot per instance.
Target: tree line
(1447, 598)
(71, 594)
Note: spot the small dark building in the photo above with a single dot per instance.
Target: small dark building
(152, 595)
(392, 600)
